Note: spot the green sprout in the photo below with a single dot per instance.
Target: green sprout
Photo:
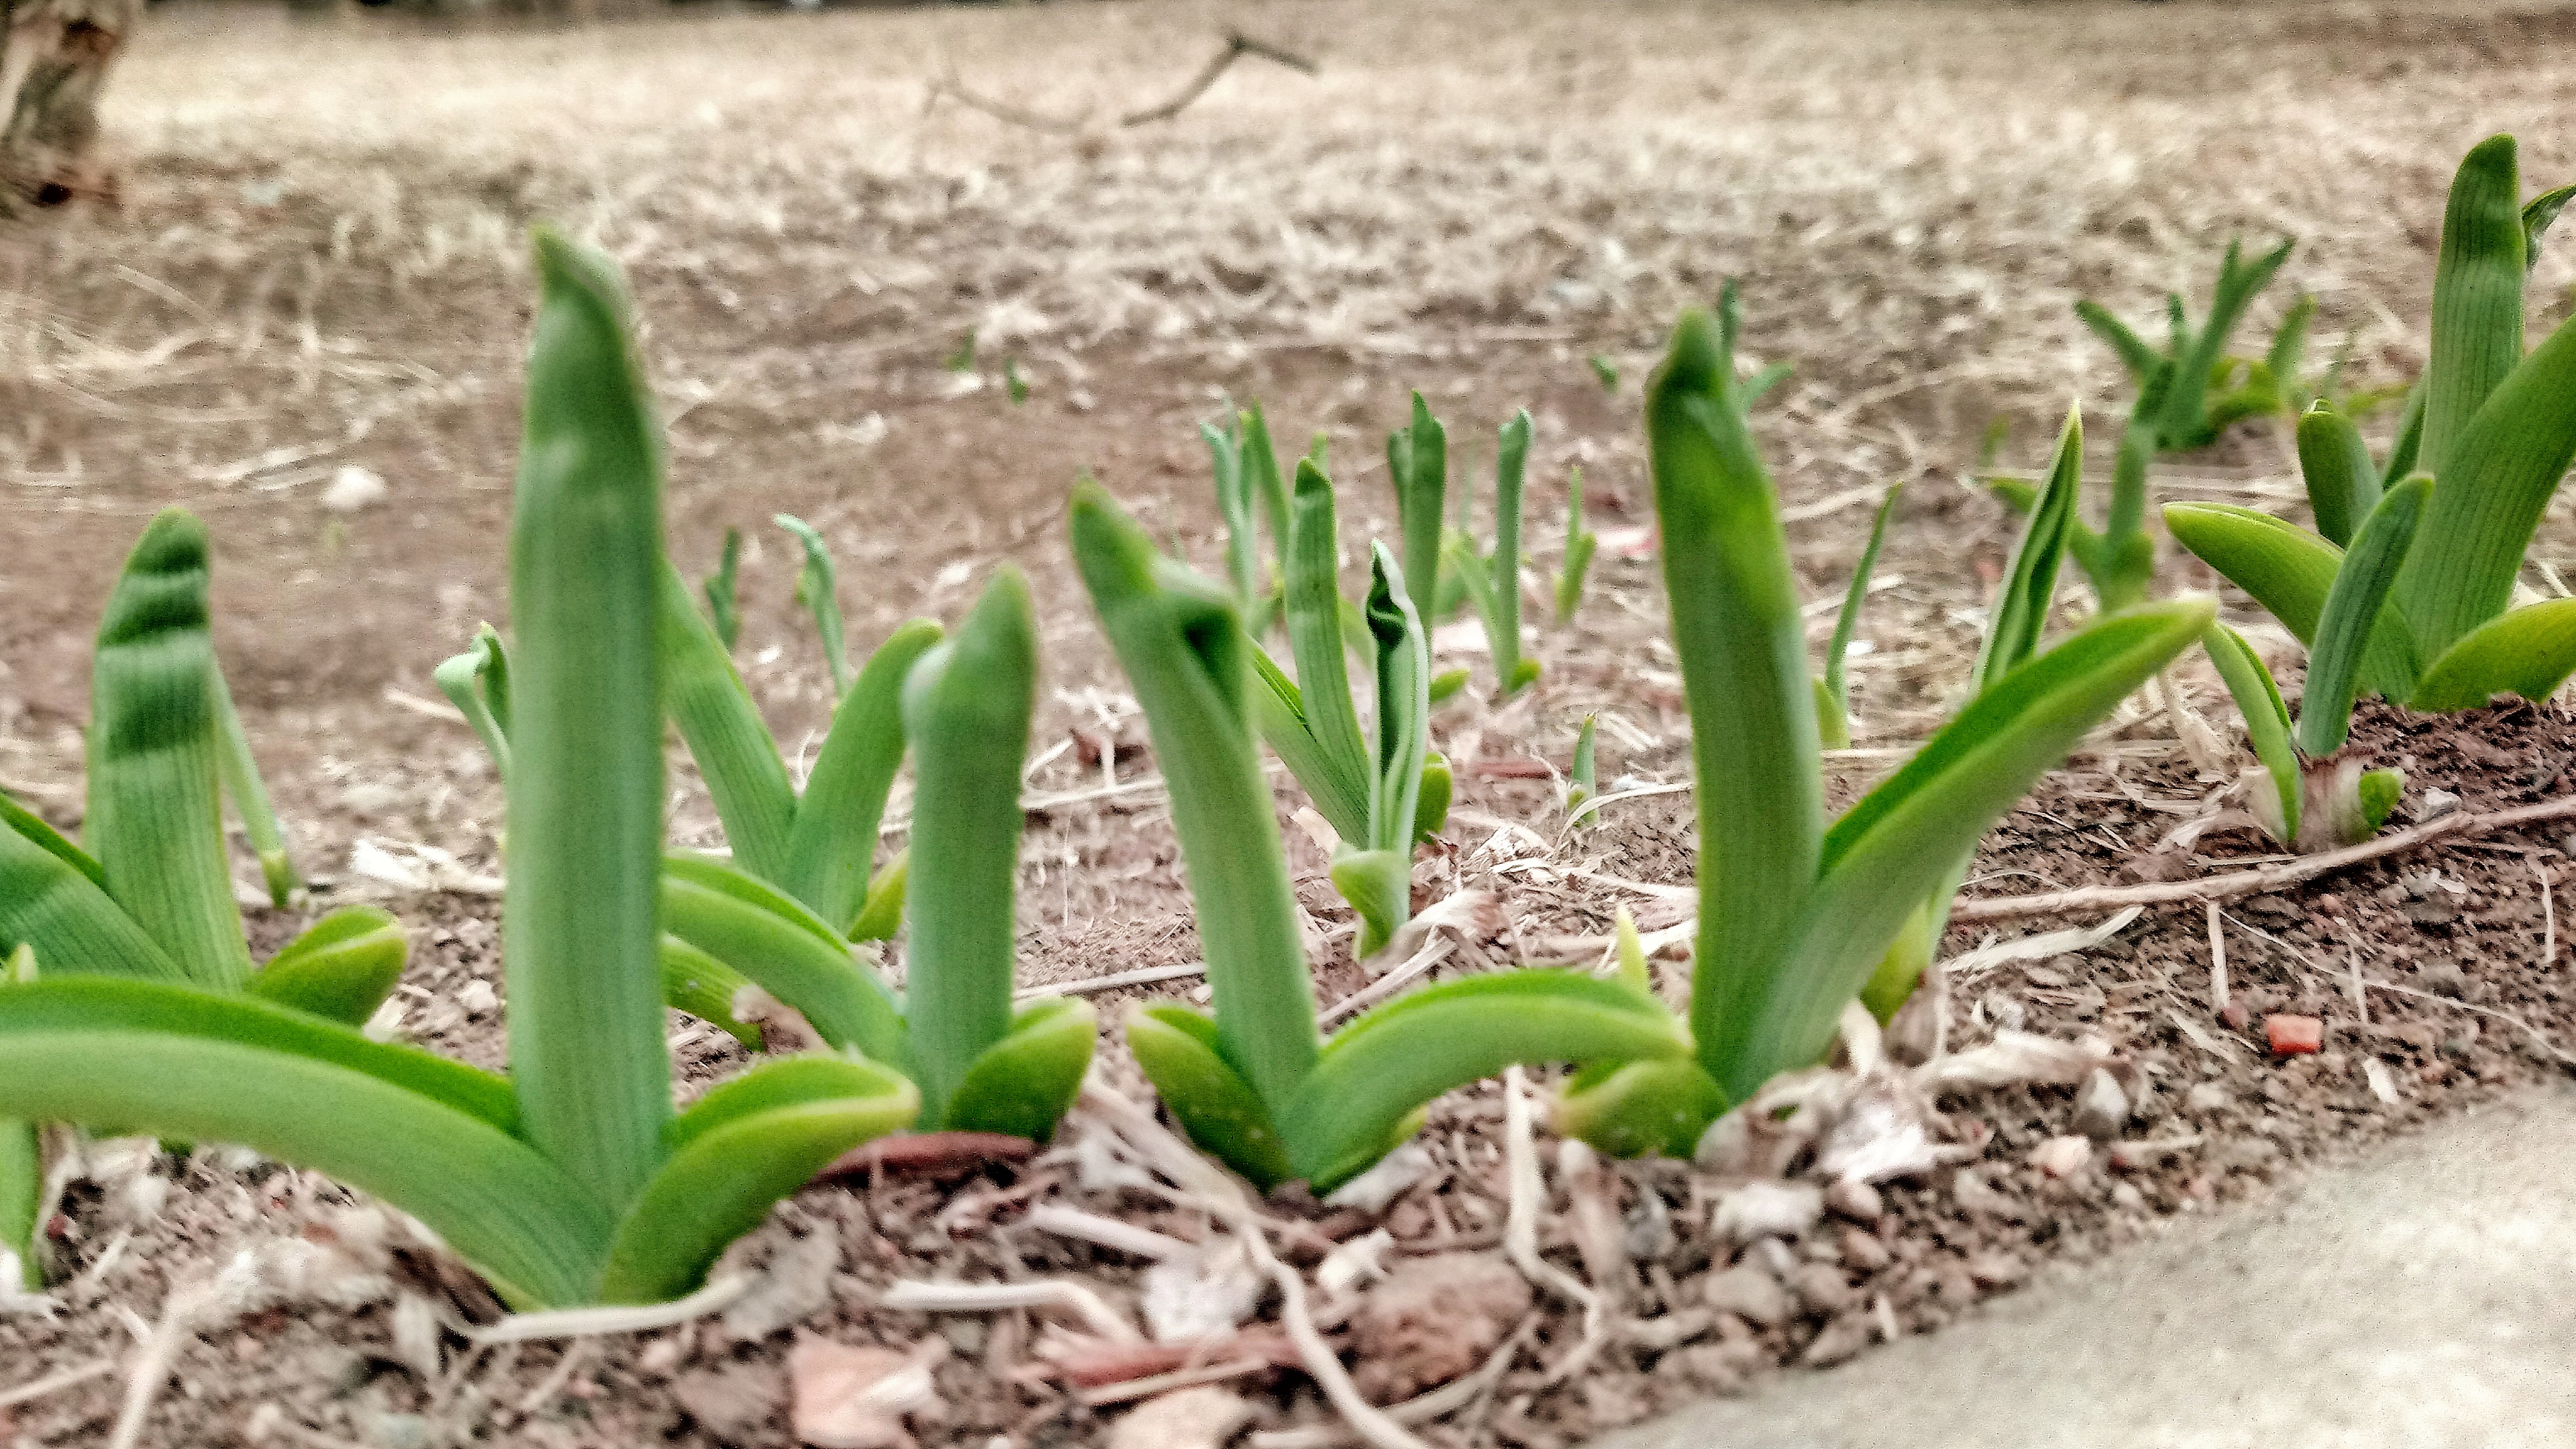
(572, 1180)
(1580, 544)
(151, 895)
(1255, 1084)
(2494, 428)
(722, 611)
(818, 589)
(1379, 799)
(963, 359)
(1833, 687)
(1583, 780)
(1493, 584)
(1246, 469)
(1796, 918)
(1012, 383)
(2195, 362)
(1605, 371)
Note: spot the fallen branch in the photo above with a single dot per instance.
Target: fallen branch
(2092, 899)
(1237, 45)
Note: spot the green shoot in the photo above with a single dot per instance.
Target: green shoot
(239, 770)
(1493, 584)
(1580, 544)
(722, 610)
(1582, 781)
(1833, 696)
(818, 590)
(1604, 371)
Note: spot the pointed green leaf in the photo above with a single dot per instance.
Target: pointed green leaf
(2029, 592)
(1891, 983)
(17, 817)
(832, 846)
(1185, 653)
(2135, 355)
(2353, 605)
(726, 1173)
(966, 707)
(1023, 1084)
(1904, 839)
(239, 771)
(1379, 1069)
(130, 1056)
(1847, 621)
(734, 750)
(585, 792)
(704, 987)
(1431, 807)
(2267, 724)
(1217, 1109)
(724, 614)
(1580, 544)
(1511, 462)
(2496, 480)
(1421, 493)
(1281, 709)
(341, 969)
(48, 903)
(155, 818)
(22, 1210)
(2477, 311)
(1582, 780)
(1403, 707)
(1743, 651)
(2289, 570)
(782, 947)
(882, 913)
(2343, 484)
(1260, 464)
(1234, 505)
(2538, 214)
(818, 589)
(1336, 770)
(2529, 652)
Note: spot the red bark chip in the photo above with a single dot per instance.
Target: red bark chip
(2294, 1035)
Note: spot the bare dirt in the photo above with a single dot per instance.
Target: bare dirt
(315, 265)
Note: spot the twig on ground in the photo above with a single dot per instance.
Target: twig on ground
(585, 1322)
(1237, 45)
(2090, 899)
(1520, 1220)
(575, 1354)
(1059, 1294)
(1124, 1237)
(1447, 1399)
(2548, 918)
(55, 1383)
(2217, 964)
(1142, 976)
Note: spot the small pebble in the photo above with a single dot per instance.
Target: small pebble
(2062, 1157)
(2101, 1108)
(1822, 1288)
(2126, 1197)
(2437, 803)
(1856, 1200)
(2294, 1035)
(1863, 1251)
(1841, 1339)
(2206, 1098)
(2234, 1015)
(1749, 1293)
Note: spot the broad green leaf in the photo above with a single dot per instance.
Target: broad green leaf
(2267, 723)
(477, 682)
(1904, 839)
(704, 987)
(2495, 481)
(2353, 606)
(2529, 652)
(1431, 807)
(818, 589)
(966, 707)
(734, 750)
(341, 969)
(2343, 484)
(1185, 653)
(1421, 491)
(1338, 774)
(783, 948)
(155, 819)
(47, 902)
(721, 1183)
(1742, 646)
(2477, 313)
(1847, 621)
(1640, 1109)
(780, 1082)
(135, 1057)
(2029, 592)
(2289, 570)
(1022, 1085)
(239, 771)
(1218, 1110)
(1399, 1056)
(832, 846)
(724, 614)
(585, 792)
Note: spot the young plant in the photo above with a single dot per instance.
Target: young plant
(1493, 584)
(1833, 687)
(1255, 1085)
(1583, 779)
(151, 897)
(722, 611)
(572, 1180)
(1380, 799)
(1417, 461)
(2194, 362)
(1580, 544)
(818, 589)
(2493, 427)
(2313, 796)
(1795, 917)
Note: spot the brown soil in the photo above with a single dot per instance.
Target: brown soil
(336, 272)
